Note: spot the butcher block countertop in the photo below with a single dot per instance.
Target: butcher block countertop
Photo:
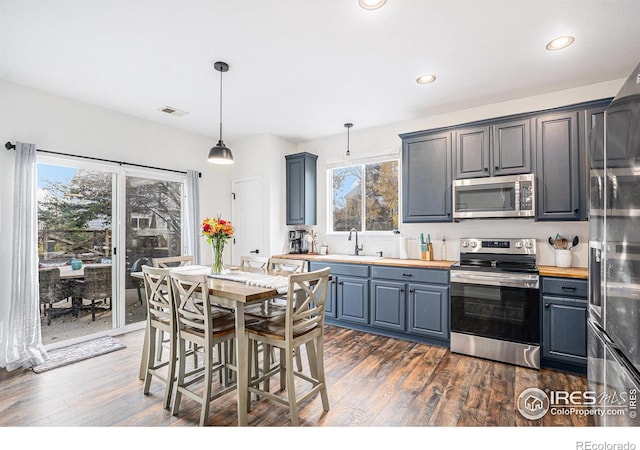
(547, 271)
(371, 260)
(567, 272)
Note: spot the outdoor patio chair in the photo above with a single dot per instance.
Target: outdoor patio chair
(53, 291)
(96, 286)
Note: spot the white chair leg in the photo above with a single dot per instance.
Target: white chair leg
(291, 389)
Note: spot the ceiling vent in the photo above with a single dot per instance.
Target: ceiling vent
(173, 111)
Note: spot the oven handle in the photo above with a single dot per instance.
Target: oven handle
(495, 279)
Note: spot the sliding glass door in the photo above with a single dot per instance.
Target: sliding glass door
(153, 229)
(97, 224)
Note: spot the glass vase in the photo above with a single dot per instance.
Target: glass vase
(217, 267)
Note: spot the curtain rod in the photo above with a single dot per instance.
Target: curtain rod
(10, 146)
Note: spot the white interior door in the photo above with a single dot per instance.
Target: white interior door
(247, 218)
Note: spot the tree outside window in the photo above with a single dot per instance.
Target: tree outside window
(365, 197)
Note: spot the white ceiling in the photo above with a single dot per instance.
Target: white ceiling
(302, 68)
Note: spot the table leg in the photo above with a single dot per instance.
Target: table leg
(242, 363)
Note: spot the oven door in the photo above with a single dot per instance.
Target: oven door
(502, 306)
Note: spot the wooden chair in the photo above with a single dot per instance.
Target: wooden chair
(160, 321)
(303, 323)
(277, 306)
(53, 290)
(199, 322)
(173, 261)
(95, 286)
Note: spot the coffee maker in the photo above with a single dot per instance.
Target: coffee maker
(297, 242)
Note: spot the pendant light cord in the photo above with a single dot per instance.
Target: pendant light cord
(221, 105)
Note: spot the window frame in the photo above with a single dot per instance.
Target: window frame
(360, 162)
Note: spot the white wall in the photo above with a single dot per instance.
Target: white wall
(384, 140)
(63, 125)
(262, 157)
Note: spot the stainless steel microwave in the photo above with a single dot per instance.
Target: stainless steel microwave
(494, 197)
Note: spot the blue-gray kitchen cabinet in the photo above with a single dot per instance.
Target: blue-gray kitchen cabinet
(411, 300)
(301, 189)
(426, 177)
(501, 148)
(564, 323)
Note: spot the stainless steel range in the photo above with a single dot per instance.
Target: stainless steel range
(495, 311)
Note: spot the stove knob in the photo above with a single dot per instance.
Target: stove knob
(528, 244)
(464, 244)
(474, 244)
(519, 244)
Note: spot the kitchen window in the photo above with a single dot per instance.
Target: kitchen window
(364, 196)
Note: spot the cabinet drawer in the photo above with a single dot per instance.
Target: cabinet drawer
(354, 270)
(564, 287)
(433, 276)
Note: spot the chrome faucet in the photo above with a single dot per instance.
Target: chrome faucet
(358, 247)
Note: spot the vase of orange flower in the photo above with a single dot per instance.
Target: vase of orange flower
(217, 231)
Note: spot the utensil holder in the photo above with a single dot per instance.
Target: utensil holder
(426, 252)
(563, 257)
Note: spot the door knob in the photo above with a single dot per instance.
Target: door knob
(256, 251)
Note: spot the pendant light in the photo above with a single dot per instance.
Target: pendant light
(347, 156)
(220, 154)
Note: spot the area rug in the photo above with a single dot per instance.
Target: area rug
(78, 352)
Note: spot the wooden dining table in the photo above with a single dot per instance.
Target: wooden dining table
(235, 295)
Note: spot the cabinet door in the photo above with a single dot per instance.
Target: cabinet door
(558, 169)
(388, 305)
(429, 310)
(426, 178)
(564, 329)
(511, 149)
(472, 153)
(301, 189)
(330, 302)
(353, 299)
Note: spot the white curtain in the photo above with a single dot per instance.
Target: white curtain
(24, 342)
(192, 215)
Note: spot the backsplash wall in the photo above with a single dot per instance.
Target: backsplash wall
(389, 243)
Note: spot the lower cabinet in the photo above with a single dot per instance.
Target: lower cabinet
(564, 323)
(401, 302)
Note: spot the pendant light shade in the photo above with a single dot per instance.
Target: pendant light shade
(347, 156)
(220, 154)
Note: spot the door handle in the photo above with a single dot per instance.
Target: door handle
(256, 251)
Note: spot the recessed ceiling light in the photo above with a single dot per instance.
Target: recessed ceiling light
(425, 79)
(371, 4)
(560, 43)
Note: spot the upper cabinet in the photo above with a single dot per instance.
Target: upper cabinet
(556, 145)
(558, 167)
(426, 177)
(503, 148)
(301, 189)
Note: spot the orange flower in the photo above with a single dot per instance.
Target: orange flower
(217, 229)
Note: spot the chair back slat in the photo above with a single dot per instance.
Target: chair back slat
(260, 262)
(159, 298)
(192, 302)
(173, 261)
(287, 265)
(306, 301)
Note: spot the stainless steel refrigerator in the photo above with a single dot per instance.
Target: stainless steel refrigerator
(613, 367)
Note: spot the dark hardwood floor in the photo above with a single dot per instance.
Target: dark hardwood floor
(373, 381)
